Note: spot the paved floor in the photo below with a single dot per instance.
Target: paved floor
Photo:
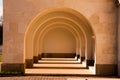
(57, 78)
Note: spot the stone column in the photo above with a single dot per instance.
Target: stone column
(89, 53)
(106, 39)
(13, 42)
(82, 54)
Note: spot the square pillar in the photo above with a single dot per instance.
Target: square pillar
(119, 42)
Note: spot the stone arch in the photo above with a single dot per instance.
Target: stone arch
(45, 18)
(66, 26)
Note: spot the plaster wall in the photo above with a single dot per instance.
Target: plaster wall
(59, 41)
(100, 13)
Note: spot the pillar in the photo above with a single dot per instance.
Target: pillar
(119, 42)
(106, 40)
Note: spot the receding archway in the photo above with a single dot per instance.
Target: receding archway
(77, 21)
(64, 25)
(56, 25)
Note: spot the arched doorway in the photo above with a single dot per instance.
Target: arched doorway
(71, 20)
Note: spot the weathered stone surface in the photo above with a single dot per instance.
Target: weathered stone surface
(106, 70)
(29, 63)
(35, 59)
(7, 67)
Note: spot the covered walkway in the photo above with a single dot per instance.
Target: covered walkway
(59, 66)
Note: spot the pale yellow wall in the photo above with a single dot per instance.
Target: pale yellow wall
(59, 40)
(100, 13)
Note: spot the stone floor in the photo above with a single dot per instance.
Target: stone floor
(57, 78)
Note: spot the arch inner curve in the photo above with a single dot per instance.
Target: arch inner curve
(80, 31)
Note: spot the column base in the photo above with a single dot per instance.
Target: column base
(82, 58)
(39, 56)
(13, 67)
(35, 59)
(78, 56)
(89, 62)
(106, 69)
(119, 68)
(29, 63)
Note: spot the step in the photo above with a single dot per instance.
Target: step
(60, 66)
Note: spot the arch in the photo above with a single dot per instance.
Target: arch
(60, 25)
(67, 22)
(44, 31)
(66, 26)
(49, 16)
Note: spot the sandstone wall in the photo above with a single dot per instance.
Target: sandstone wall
(102, 15)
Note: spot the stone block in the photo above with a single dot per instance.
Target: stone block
(35, 59)
(106, 69)
(29, 63)
(13, 67)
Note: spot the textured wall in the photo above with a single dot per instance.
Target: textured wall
(100, 13)
(59, 41)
